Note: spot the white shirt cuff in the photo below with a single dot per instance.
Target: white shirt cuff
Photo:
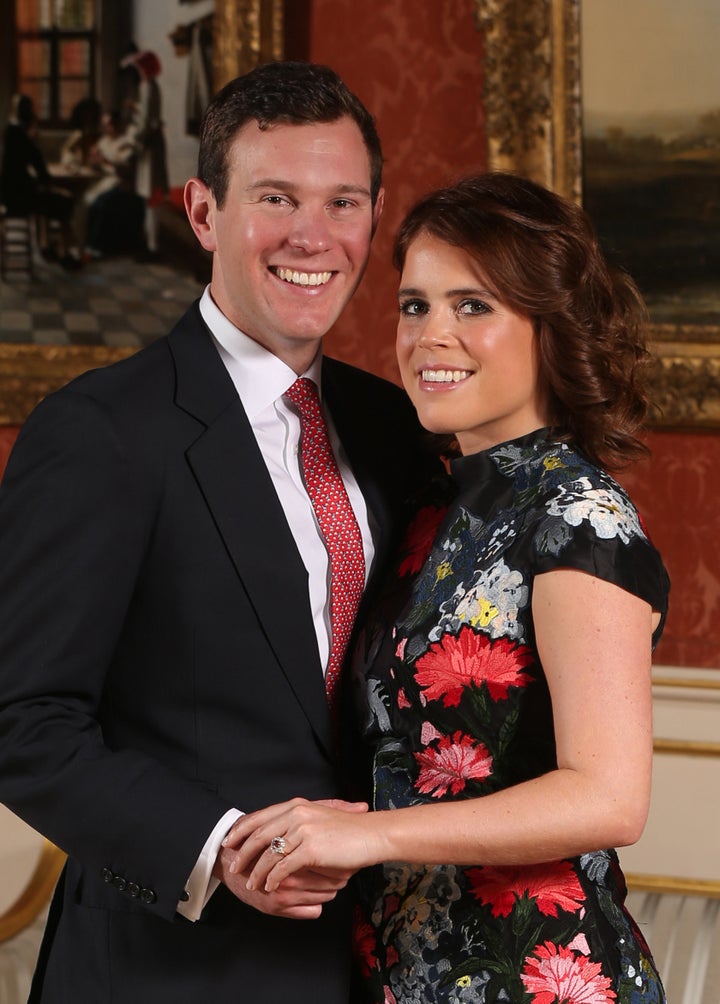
(202, 884)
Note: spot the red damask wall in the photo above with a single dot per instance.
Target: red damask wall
(7, 438)
(418, 66)
(677, 493)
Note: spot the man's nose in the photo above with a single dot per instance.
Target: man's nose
(310, 230)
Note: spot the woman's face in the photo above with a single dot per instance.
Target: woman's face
(468, 362)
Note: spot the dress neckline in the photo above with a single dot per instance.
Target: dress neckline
(471, 467)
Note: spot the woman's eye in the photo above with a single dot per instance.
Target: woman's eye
(412, 308)
(473, 307)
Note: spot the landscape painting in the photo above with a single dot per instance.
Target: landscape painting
(651, 147)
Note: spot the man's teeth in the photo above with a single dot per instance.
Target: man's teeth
(303, 278)
(444, 376)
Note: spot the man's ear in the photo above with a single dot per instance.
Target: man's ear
(201, 209)
(377, 209)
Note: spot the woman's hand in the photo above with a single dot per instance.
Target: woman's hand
(331, 838)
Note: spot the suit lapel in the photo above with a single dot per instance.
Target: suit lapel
(235, 483)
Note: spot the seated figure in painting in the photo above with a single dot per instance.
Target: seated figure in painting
(26, 186)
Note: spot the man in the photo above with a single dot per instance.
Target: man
(166, 592)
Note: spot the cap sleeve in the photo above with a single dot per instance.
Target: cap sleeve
(591, 525)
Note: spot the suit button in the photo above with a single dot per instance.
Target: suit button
(119, 883)
(147, 896)
(107, 875)
(133, 889)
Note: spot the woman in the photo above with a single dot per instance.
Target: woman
(507, 683)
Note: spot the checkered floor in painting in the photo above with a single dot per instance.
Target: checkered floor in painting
(113, 302)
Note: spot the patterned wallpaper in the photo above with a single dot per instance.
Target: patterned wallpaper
(418, 67)
(7, 438)
(677, 493)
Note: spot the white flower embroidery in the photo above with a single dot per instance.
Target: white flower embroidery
(493, 602)
(607, 511)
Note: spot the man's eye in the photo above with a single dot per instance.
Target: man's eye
(412, 308)
(473, 307)
(275, 200)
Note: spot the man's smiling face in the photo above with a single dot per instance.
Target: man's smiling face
(292, 238)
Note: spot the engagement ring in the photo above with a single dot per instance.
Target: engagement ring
(277, 845)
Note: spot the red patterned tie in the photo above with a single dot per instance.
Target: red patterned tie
(337, 523)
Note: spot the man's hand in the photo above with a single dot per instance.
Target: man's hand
(300, 897)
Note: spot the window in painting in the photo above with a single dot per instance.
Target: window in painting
(57, 41)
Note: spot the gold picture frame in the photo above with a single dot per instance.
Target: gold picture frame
(245, 33)
(533, 118)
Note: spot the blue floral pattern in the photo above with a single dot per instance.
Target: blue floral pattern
(455, 705)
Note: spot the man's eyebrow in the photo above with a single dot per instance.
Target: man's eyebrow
(289, 186)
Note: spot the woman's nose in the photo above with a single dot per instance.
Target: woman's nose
(435, 331)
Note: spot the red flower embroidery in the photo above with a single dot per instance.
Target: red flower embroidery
(419, 539)
(451, 765)
(555, 973)
(364, 943)
(402, 701)
(390, 906)
(457, 661)
(551, 885)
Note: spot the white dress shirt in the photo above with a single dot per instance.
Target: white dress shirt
(261, 379)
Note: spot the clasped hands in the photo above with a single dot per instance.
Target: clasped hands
(324, 843)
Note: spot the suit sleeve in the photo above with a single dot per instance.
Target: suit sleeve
(76, 515)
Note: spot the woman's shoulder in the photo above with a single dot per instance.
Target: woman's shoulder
(548, 475)
(583, 518)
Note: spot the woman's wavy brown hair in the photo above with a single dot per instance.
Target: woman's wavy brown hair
(539, 253)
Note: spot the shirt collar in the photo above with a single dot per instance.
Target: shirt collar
(260, 377)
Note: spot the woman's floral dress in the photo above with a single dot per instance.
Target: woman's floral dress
(455, 705)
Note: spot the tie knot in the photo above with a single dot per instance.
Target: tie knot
(304, 395)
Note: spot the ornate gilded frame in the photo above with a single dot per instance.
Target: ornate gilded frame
(532, 106)
(245, 32)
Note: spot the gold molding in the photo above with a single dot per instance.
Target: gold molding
(29, 372)
(245, 33)
(532, 89)
(533, 116)
(674, 886)
(690, 683)
(687, 747)
(36, 894)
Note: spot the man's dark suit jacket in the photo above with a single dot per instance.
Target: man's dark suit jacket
(158, 665)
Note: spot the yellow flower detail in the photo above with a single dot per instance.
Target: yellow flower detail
(442, 571)
(487, 611)
(552, 463)
(464, 981)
